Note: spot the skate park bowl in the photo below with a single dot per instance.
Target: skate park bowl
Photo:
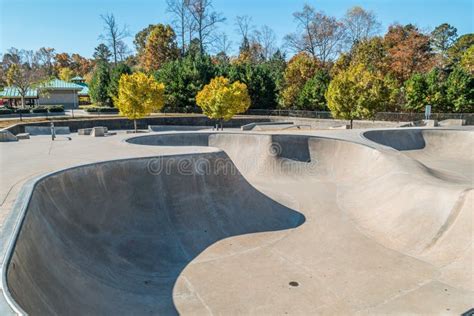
(262, 224)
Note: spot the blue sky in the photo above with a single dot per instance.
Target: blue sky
(74, 25)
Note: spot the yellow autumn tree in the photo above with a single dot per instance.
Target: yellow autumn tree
(301, 68)
(357, 93)
(139, 95)
(66, 74)
(221, 99)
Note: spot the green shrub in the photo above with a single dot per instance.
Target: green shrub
(100, 109)
(108, 110)
(40, 109)
(22, 111)
(5, 111)
(91, 109)
(55, 108)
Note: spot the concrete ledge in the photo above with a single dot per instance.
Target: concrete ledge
(251, 126)
(88, 131)
(431, 123)
(46, 130)
(23, 136)
(452, 122)
(176, 128)
(84, 131)
(98, 131)
(6, 136)
(340, 127)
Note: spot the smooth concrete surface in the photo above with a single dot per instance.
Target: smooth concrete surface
(320, 222)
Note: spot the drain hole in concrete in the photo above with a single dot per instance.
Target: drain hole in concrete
(294, 283)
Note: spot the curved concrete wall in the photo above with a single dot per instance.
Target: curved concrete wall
(446, 141)
(381, 190)
(440, 150)
(113, 237)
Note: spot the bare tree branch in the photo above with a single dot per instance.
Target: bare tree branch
(222, 44)
(205, 20)
(266, 38)
(114, 36)
(182, 22)
(244, 26)
(320, 35)
(360, 24)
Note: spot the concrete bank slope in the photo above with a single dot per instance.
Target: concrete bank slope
(451, 150)
(263, 224)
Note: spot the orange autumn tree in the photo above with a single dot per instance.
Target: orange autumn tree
(160, 47)
(409, 51)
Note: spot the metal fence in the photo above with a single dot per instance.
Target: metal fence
(292, 113)
(381, 116)
(410, 117)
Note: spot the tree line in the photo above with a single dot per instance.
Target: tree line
(342, 65)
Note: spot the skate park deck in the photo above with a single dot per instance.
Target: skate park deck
(222, 223)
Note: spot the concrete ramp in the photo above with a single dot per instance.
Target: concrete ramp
(450, 153)
(114, 237)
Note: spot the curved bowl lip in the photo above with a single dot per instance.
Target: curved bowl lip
(364, 141)
(406, 129)
(421, 130)
(17, 214)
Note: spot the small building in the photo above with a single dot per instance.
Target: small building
(11, 97)
(84, 97)
(53, 92)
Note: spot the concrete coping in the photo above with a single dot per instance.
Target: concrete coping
(248, 127)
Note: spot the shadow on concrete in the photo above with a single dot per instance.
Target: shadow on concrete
(403, 139)
(112, 238)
